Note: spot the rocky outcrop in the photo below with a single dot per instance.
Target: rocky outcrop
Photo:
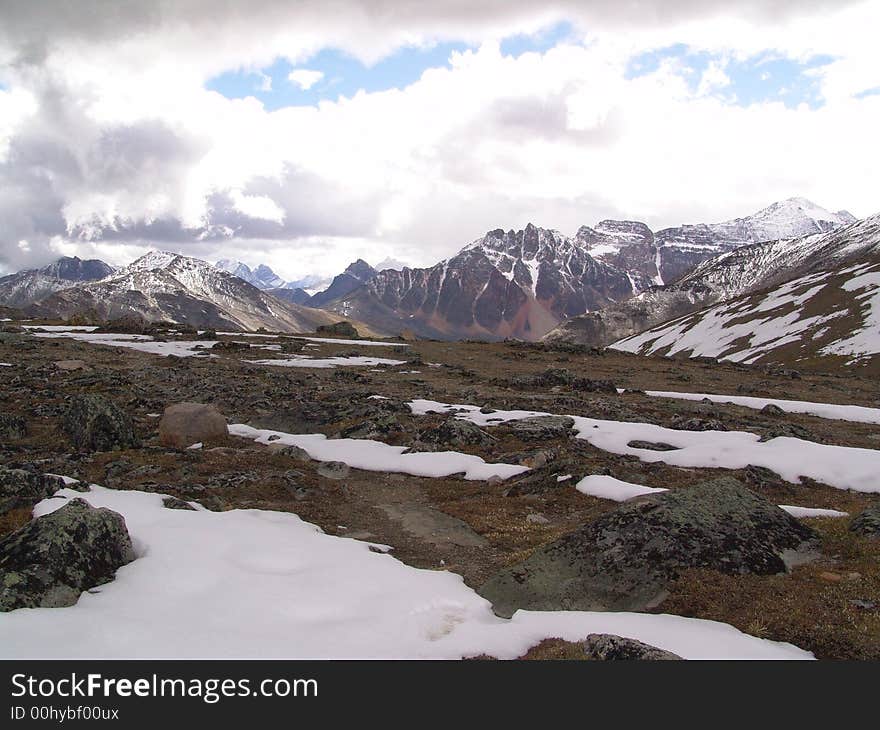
(185, 424)
(51, 561)
(625, 559)
(94, 423)
(541, 427)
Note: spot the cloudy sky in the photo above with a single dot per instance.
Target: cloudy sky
(307, 134)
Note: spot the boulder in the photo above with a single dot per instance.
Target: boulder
(12, 428)
(185, 424)
(20, 488)
(867, 523)
(624, 560)
(94, 423)
(49, 562)
(453, 434)
(608, 647)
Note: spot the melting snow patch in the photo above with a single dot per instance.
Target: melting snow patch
(300, 361)
(606, 487)
(377, 456)
(858, 414)
(844, 467)
(795, 511)
(365, 343)
(249, 583)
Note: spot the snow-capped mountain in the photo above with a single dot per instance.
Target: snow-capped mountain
(261, 277)
(163, 285)
(524, 283)
(505, 284)
(746, 269)
(354, 276)
(26, 287)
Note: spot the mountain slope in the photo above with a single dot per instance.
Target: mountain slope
(829, 316)
(348, 281)
(524, 283)
(26, 287)
(745, 269)
(505, 284)
(167, 286)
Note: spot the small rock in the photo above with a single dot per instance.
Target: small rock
(184, 424)
(293, 452)
(175, 503)
(651, 445)
(771, 409)
(49, 562)
(334, 470)
(69, 365)
(537, 519)
(830, 577)
(608, 647)
(867, 523)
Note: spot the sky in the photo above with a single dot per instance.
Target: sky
(306, 135)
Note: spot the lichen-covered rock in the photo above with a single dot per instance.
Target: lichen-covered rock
(867, 523)
(21, 488)
(52, 560)
(94, 423)
(541, 427)
(453, 433)
(608, 647)
(12, 428)
(625, 559)
(185, 424)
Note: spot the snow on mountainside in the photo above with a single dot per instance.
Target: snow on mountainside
(26, 287)
(261, 277)
(744, 269)
(786, 219)
(524, 283)
(505, 284)
(830, 314)
(163, 285)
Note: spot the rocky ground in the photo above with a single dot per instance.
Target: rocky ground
(827, 603)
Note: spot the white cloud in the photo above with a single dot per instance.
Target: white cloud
(93, 142)
(305, 78)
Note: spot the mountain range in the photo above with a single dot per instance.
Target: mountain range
(603, 284)
(524, 283)
(166, 286)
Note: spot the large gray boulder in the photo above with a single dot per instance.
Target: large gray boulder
(52, 560)
(185, 424)
(624, 560)
(20, 488)
(94, 423)
(868, 522)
